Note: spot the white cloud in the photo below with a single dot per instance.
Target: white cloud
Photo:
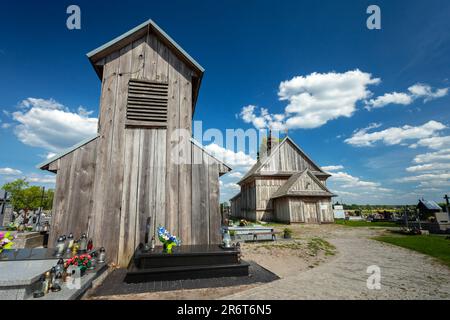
(417, 91)
(440, 155)
(235, 174)
(41, 179)
(341, 193)
(390, 98)
(437, 142)
(350, 181)
(10, 171)
(432, 171)
(6, 125)
(426, 177)
(395, 135)
(49, 104)
(332, 168)
(50, 155)
(84, 112)
(231, 158)
(429, 167)
(50, 125)
(264, 119)
(425, 91)
(346, 181)
(313, 100)
(231, 187)
(320, 97)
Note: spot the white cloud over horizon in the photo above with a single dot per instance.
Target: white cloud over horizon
(48, 124)
(10, 171)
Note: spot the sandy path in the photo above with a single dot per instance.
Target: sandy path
(405, 274)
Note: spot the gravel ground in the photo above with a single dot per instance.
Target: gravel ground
(405, 274)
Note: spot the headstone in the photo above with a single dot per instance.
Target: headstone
(338, 211)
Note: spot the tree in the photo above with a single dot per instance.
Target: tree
(15, 190)
(48, 199)
(25, 197)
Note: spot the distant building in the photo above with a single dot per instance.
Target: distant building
(428, 208)
(284, 185)
(338, 211)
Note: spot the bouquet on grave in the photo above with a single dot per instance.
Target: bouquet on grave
(12, 226)
(6, 241)
(167, 239)
(83, 262)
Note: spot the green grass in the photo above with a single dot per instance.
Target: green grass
(317, 244)
(432, 245)
(365, 223)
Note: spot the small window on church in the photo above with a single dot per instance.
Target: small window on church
(147, 103)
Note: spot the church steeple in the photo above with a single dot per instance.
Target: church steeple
(269, 142)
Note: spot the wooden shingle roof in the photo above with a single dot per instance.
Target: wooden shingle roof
(256, 169)
(286, 189)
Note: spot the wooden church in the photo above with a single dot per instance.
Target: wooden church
(142, 169)
(284, 185)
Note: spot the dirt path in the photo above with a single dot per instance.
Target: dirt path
(405, 274)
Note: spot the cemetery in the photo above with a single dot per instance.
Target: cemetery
(117, 192)
(130, 216)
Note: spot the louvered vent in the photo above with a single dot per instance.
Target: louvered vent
(147, 103)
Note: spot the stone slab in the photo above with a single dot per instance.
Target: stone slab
(23, 273)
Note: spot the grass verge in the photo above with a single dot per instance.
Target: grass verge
(349, 223)
(432, 245)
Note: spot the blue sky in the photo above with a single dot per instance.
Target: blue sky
(369, 105)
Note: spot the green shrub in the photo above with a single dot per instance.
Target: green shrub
(287, 233)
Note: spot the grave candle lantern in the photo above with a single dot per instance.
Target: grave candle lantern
(83, 243)
(93, 261)
(60, 265)
(65, 242)
(47, 282)
(60, 246)
(56, 285)
(102, 255)
(70, 241)
(75, 247)
(226, 240)
(90, 245)
(52, 276)
(40, 288)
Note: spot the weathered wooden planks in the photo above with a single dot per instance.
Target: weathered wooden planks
(132, 171)
(73, 194)
(185, 165)
(171, 144)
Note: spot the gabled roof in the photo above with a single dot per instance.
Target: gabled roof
(235, 197)
(137, 33)
(44, 164)
(258, 165)
(285, 189)
(430, 205)
(226, 167)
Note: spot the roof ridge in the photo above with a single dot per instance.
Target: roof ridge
(66, 151)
